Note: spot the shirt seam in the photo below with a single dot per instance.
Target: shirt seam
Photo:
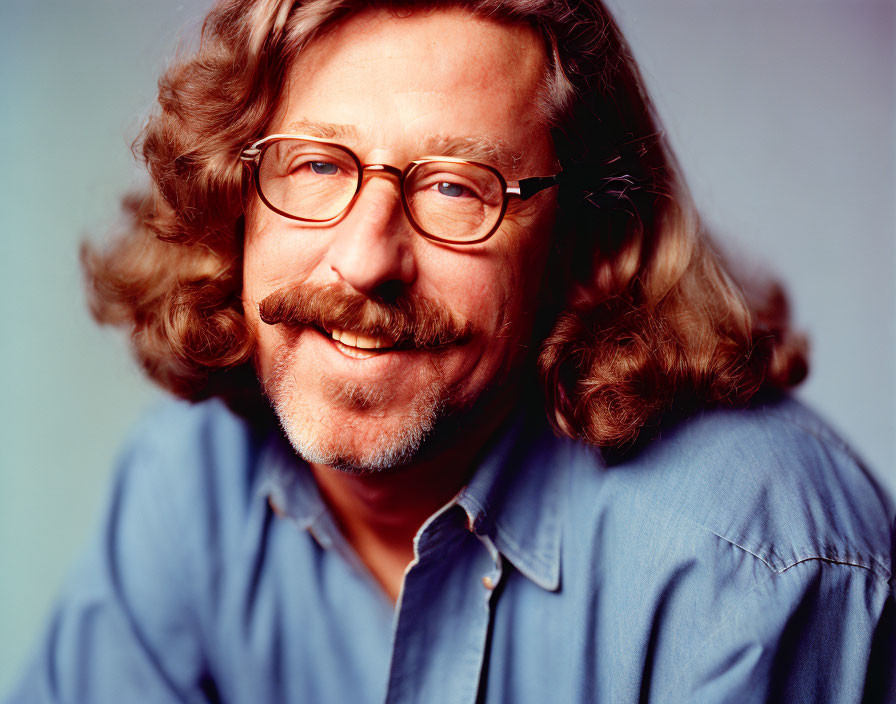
(872, 566)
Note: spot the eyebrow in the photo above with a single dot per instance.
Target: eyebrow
(495, 152)
(323, 130)
(488, 150)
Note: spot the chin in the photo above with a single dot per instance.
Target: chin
(356, 428)
(345, 452)
(367, 426)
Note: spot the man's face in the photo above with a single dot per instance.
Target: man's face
(394, 89)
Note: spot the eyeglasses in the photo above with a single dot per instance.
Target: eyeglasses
(448, 200)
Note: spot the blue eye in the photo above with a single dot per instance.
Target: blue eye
(450, 189)
(324, 168)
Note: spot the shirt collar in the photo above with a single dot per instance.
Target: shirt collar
(288, 485)
(513, 497)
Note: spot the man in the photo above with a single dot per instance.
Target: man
(400, 219)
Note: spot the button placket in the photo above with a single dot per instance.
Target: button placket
(442, 621)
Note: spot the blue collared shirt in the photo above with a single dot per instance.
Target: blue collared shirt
(743, 556)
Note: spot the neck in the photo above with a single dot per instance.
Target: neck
(380, 513)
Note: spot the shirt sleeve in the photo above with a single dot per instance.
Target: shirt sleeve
(818, 631)
(124, 628)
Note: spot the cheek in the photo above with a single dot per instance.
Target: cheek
(259, 249)
(497, 287)
(491, 293)
(275, 255)
(273, 258)
(524, 259)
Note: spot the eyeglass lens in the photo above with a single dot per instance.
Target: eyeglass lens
(454, 201)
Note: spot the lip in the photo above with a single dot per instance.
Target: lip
(360, 341)
(358, 352)
(352, 361)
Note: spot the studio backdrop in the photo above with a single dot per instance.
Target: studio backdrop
(782, 113)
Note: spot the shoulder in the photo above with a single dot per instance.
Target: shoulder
(730, 542)
(142, 603)
(196, 462)
(772, 480)
(179, 434)
(191, 431)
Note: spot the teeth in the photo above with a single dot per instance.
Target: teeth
(368, 343)
(360, 341)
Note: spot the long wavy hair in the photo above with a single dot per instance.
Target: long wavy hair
(646, 319)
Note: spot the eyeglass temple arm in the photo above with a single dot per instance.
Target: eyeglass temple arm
(528, 187)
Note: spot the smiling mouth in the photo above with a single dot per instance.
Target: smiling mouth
(358, 345)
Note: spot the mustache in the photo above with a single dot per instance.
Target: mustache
(410, 320)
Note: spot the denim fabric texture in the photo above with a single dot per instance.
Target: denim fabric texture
(741, 556)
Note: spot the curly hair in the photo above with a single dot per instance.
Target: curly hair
(646, 318)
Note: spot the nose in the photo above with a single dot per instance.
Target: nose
(372, 248)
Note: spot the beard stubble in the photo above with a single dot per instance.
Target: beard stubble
(321, 434)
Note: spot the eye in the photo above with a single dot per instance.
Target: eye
(453, 190)
(324, 168)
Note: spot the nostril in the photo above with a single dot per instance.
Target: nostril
(390, 291)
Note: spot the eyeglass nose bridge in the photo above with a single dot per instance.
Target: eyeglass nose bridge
(383, 170)
(379, 170)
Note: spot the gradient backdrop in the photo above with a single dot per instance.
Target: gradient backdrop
(783, 113)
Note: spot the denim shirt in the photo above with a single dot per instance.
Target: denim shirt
(742, 556)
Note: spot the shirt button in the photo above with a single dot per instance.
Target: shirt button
(488, 583)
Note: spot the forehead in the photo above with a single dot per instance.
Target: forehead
(400, 83)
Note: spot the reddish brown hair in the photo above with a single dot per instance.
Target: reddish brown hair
(645, 318)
